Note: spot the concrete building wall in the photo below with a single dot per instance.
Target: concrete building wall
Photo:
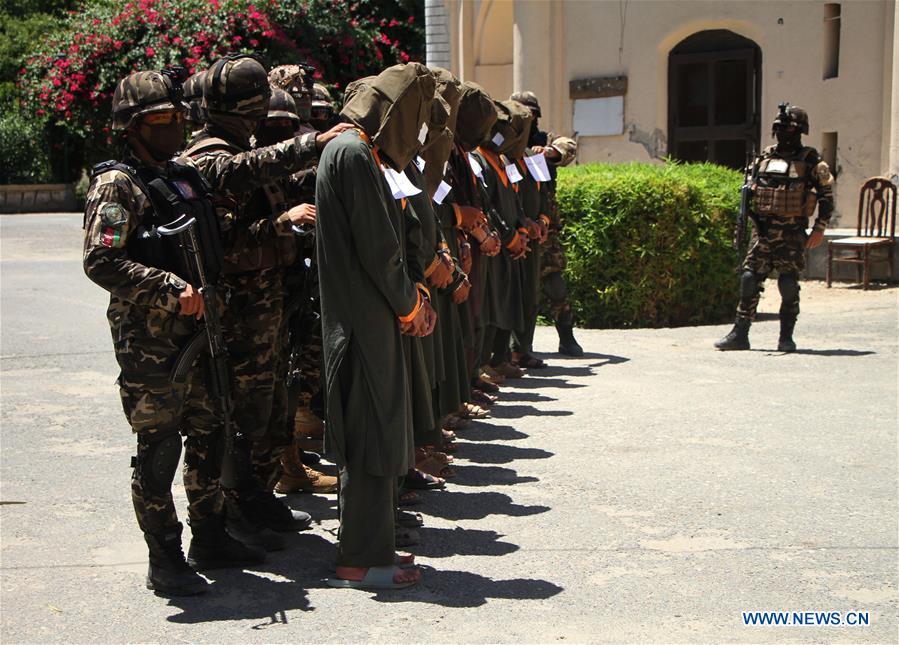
(541, 45)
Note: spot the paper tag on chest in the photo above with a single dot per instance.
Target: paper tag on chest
(537, 167)
(475, 166)
(513, 173)
(442, 191)
(420, 164)
(399, 183)
(423, 133)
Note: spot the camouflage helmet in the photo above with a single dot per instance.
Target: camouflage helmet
(566, 147)
(529, 99)
(292, 79)
(791, 115)
(143, 93)
(282, 106)
(237, 84)
(193, 96)
(321, 97)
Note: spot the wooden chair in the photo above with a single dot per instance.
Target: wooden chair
(876, 229)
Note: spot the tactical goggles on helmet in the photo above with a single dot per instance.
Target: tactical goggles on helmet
(163, 118)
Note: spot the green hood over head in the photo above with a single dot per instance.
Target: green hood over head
(475, 116)
(392, 109)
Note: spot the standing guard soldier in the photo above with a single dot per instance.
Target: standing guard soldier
(153, 313)
(259, 244)
(787, 181)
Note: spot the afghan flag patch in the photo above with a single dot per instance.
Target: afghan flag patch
(111, 237)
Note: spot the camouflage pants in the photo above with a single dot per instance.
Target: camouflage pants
(781, 249)
(159, 413)
(555, 303)
(252, 328)
(307, 373)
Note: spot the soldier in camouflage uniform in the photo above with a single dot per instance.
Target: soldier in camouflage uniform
(299, 353)
(322, 114)
(305, 362)
(560, 153)
(153, 312)
(788, 180)
(260, 243)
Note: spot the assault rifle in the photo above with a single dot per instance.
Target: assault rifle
(750, 175)
(208, 337)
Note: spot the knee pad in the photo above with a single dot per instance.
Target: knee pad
(788, 285)
(750, 284)
(555, 288)
(157, 462)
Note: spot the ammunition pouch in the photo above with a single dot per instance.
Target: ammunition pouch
(784, 201)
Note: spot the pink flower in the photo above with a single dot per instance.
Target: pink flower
(117, 45)
(150, 52)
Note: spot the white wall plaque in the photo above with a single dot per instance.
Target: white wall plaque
(599, 117)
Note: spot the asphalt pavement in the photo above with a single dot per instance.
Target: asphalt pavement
(652, 491)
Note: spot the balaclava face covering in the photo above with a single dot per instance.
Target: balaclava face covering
(393, 109)
(163, 141)
(475, 117)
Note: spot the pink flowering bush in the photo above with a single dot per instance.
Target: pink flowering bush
(69, 80)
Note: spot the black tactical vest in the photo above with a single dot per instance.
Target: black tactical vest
(177, 194)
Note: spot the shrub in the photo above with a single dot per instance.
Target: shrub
(650, 245)
(24, 149)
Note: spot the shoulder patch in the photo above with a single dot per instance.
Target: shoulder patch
(113, 214)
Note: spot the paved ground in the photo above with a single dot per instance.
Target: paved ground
(651, 491)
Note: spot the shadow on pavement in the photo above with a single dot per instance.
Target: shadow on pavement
(534, 383)
(453, 505)
(607, 359)
(834, 352)
(468, 475)
(478, 431)
(489, 453)
(252, 594)
(464, 589)
(445, 543)
(818, 352)
(519, 411)
(532, 397)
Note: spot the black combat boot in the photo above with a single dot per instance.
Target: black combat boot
(276, 515)
(168, 572)
(738, 338)
(568, 346)
(243, 525)
(785, 342)
(212, 548)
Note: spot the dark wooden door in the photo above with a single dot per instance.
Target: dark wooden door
(713, 106)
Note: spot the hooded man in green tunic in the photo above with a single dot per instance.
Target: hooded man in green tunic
(369, 300)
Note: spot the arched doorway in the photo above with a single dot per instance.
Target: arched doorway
(714, 98)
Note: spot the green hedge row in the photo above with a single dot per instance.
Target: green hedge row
(650, 245)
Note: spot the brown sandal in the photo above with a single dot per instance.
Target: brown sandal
(435, 468)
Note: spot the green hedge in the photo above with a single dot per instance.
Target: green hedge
(650, 245)
(24, 150)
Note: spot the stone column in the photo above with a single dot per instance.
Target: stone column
(532, 50)
(437, 44)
